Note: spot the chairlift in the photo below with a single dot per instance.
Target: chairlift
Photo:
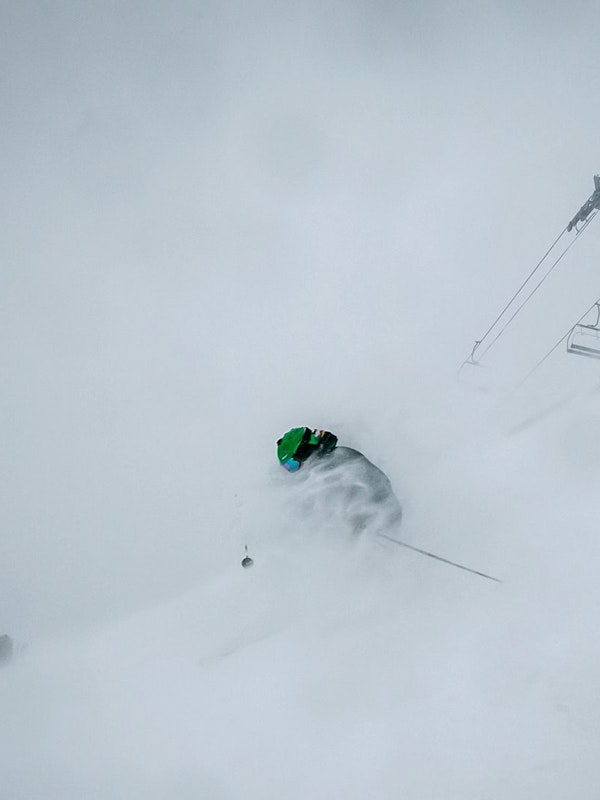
(584, 340)
(476, 379)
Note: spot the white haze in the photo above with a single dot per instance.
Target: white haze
(222, 220)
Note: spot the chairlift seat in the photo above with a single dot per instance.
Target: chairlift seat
(584, 340)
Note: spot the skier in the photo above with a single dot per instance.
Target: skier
(298, 444)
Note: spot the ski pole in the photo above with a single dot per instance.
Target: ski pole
(439, 558)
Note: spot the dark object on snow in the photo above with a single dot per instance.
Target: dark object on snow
(6, 648)
(587, 208)
(246, 560)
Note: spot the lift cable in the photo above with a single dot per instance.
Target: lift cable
(538, 285)
(552, 349)
(522, 286)
(478, 342)
(585, 215)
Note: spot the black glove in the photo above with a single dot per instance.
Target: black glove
(327, 442)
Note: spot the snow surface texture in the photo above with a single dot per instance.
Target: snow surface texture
(225, 220)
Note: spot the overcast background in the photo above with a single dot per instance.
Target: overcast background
(223, 220)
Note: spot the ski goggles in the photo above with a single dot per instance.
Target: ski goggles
(291, 464)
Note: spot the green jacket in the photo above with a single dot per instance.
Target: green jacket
(290, 441)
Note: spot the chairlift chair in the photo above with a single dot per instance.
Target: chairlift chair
(475, 379)
(584, 340)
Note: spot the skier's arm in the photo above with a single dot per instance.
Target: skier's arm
(327, 441)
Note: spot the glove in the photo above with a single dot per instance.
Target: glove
(327, 441)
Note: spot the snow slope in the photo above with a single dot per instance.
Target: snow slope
(362, 671)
